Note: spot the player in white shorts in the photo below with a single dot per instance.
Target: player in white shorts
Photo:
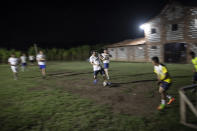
(105, 56)
(23, 62)
(97, 68)
(13, 61)
(42, 63)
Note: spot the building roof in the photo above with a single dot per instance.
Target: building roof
(138, 41)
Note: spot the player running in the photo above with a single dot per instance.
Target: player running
(97, 68)
(42, 63)
(194, 61)
(13, 61)
(31, 59)
(164, 82)
(23, 62)
(105, 58)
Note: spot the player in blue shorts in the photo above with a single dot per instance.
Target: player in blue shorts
(164, 82)
(105, 56)
(42, 63)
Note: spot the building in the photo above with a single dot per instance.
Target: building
(171, 35)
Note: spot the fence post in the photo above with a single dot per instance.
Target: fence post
(182, 108)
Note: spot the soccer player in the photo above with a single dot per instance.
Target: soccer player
(42, 63)
(13, 61)
(164, 82)
(105, 58)
(194, 61)
(23, 62)
(31, 59)
(97, 68)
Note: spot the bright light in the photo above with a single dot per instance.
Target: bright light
(144, 26)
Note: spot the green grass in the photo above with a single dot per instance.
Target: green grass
(34, 104)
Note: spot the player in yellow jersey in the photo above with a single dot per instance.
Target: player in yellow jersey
(194, 61)
(164, 82)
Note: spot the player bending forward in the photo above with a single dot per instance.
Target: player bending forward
(42, 63)
(105, 58)
(164, 82)
(13, 61)
(97, 68)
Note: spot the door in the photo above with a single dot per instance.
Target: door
(175, 53)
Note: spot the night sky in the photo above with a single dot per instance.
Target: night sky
(62, 25)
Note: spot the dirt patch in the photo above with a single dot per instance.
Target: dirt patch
(139, 98)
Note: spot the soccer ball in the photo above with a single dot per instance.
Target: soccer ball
(104, 83)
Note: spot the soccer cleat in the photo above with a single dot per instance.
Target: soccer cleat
(161, 107)
(171, 100)
(95, 81)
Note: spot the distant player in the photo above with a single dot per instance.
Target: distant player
(13, 61)
(97, 68)
(164, 82)
(194, 61)
(23, 62)
(105, 58)
(42, 63)
(31, 59)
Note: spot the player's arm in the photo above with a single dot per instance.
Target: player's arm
(165, 72)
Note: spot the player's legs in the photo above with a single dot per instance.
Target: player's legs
(15, 72)
(106, 67)
(194, 81)
(43, 70)
(95, 76)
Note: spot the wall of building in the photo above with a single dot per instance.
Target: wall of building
(154, 50)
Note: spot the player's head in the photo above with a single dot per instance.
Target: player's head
(41, 52)
(94, 53)
(13, 55)
(105, 51)
(155, 60)
(24, 54)
(192, 54)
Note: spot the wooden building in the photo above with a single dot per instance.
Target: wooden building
(171, 35)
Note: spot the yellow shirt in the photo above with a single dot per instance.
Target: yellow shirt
(161, 71)
(194, 61)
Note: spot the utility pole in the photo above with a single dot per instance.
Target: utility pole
(36, 48)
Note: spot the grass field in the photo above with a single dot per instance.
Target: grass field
(69, 101)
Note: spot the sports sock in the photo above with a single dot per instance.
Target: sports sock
(163, 102)
(168, 96)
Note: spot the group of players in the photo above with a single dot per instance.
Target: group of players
(98, 61)
(15, 62)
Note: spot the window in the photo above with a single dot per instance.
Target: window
(153, 31)
(195, 23)
(174, 27)
(122, 49)
(153, 47)
(140, 48)
(112, 49)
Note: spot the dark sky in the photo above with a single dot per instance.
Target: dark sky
(61, 24)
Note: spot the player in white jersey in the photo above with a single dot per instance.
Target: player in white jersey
(42, 63)
(23, 62)
(105, 56)
(13, 61)
(97, 68)
(31, 59)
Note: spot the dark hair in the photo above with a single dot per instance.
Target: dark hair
(155, 59)
(192, 54)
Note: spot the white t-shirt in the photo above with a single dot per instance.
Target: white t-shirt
(95, 60)
(23, 59)
(13, 61)
(31, 57)
(38, 57)
(106, 57)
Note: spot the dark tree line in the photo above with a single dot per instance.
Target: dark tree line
(54, 54)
